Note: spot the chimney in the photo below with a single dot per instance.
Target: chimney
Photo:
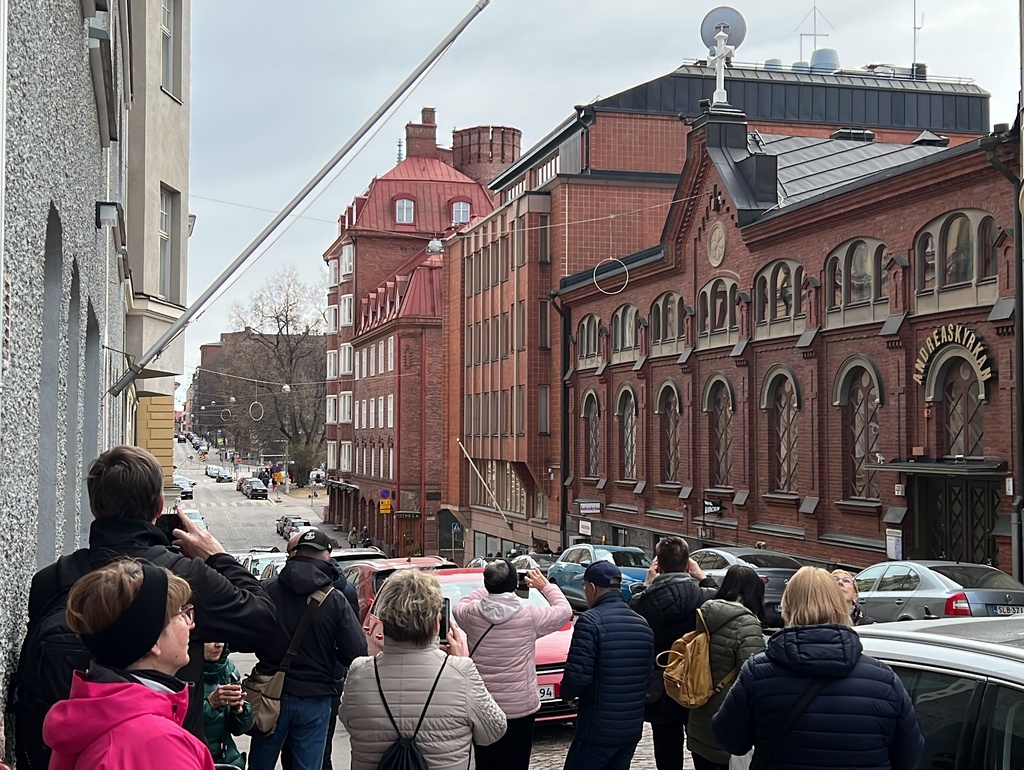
(421, 138)
(483, 152)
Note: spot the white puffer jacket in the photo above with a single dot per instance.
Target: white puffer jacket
(506, 657)
(460, 713)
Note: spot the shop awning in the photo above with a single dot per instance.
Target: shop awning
(943, 467)
(344, 486)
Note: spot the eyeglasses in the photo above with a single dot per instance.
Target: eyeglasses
(187, 612)
(843, 580)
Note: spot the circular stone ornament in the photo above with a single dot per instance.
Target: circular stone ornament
(716, 245)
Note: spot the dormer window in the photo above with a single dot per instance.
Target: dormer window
(460, 213)
(404, 211)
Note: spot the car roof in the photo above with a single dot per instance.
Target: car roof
(603, 547)
(451, 575)
(410, 561)
(930, 563)
(357, 554)
(1000, 637)
(741, 551)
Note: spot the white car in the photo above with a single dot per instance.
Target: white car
(196, 516)
(212, 471)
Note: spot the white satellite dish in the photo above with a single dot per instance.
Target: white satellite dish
(733, 21)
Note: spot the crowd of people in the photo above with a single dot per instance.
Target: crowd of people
(143, 677)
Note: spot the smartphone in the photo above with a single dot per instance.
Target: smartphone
(167, 523)
(446, 621)
(522, 589)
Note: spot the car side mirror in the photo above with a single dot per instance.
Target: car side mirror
(585, 563)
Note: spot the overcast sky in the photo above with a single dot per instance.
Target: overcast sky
(278, 88)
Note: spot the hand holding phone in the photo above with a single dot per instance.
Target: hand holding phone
(446, 621)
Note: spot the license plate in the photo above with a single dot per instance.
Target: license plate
(546, 692)
(1005, 609)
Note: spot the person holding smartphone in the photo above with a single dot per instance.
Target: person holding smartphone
(226, 713)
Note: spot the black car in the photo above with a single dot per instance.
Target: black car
(774, 568)
(255, 489)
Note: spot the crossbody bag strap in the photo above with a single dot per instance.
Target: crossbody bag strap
(313, 601)
(812, 691)
(485, 633)
(387, 708)
(430, 697)
(380, 689)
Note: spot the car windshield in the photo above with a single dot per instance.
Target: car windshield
(256, 484)
(624, 558)
(770, 561)
(977, 576)
(194, 514)
(544, 559)
(456, 590)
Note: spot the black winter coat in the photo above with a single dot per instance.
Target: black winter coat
(862, 720)
(334, 637)
(669, 605)
(230, 604)
(609, 667)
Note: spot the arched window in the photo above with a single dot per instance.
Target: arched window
(761, 300)
(881, 274)
(666, 319)
(656, 323)
(733, 294)
(592, 417)
(721, 435)
(720, 306)
(858, 273)
(958, 251)
(702, 313)
(668, 414)
(988, 255)
(782, 420)
(963, 412)
(783, 292)
(926, 262)
(624, 329)
(834, 283)
(798, 291)
(587, 338)
(627, 433)
(862, 431)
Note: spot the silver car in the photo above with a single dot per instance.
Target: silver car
(917, 590)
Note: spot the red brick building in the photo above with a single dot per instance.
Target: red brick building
(818, 355)
(383, 314)
(600, 186)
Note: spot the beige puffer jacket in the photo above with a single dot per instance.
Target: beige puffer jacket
(461, 711)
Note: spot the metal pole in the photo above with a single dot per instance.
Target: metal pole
(566, 316)
(484, 483)
(136, 367)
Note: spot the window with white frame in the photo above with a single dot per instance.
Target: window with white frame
(391, 462)
(345, 406)
(345, 358)
(355, 368)
(373, 363)
(332, 319)
(166, 241)
(373, 462)
(380, 411)
(391, 411)
(460, 213)
(380, 356)
(373, 412)
(332, 364)
(347, 260)
(347, 310)
(332, 410)
(332, 454)
(404, 211)
(366, 367)
(363, 406)
(355, 416)
(391, 354)
(332, 272)
(345, 464)
(170, 46)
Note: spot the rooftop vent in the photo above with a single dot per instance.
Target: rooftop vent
(824, 61)
(773, 64)
(854, 135)
(801, 66)
(928, 139)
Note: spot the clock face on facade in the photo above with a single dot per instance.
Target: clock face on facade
(716, 245)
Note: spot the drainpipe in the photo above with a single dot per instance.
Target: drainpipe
(4, 11)
(1017, 563)
(423, 441)
(563, 495)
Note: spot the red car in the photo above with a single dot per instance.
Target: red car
(368, 576)
(551, 650)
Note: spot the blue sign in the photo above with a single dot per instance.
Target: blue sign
(456, 528)
(385, 494)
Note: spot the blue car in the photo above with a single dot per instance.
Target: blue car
(567, 572)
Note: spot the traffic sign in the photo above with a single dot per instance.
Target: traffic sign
(385, 506)
(456, 528)
(385, 494)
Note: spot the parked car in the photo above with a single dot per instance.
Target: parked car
(257, 562)
(184, 486)
(285, 520)
(965, 677)
(773, 567)
(567, 571)
(368, 576)
(915, 590)
(182, 439)
(212, 471)
(343, 556)
(295, 526)
(224, 475)
(196, 516)
(255, 489)
(240, 482)
(481, 561)
(551, 650)
(541, 561)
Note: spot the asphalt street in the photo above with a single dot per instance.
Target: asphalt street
(239, 524)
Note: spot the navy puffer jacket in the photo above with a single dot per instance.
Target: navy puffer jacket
(862, 720)
(609, 667)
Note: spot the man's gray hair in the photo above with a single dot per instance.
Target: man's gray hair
(408, 606)
(496, 572)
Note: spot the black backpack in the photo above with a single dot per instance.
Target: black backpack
(404, 754)
(49, 657)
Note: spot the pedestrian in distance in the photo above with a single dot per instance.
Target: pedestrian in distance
(125, 487)
(733, 622)
(813, 699)
(502, 632)
(668, 599)
(334, 636)
(848, 585)
(226, 713)
(353, 538)
(418, 688)
(609, 668)
(126, 709)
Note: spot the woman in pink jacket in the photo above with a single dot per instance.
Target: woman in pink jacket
(125, 712)
(502, 633)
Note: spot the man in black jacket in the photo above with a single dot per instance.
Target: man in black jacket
(334, 636)
(609, 668)
(126, 497)
(668, 601)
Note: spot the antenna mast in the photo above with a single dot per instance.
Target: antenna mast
(917, 29)
(813, 14)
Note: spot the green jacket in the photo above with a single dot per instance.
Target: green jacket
(735, 636)
(220, 724)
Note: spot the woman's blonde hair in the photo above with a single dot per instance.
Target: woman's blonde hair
(408, 606)
(812, 598)
(843, 573)
(97, 600)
